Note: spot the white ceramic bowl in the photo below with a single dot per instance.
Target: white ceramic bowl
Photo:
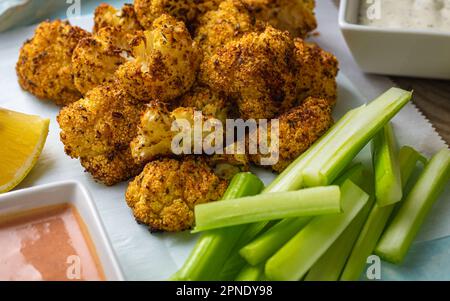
(404, 52)
(67, 193)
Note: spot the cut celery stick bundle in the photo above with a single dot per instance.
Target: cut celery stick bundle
(330, 160)
(295, 258)
(259, 250)
(368, 119)
(213, 248)
(330, 266)
(271, 206)
(388, 182)
(377, 220)
(251, 273)
(396, 241)
(263, 247)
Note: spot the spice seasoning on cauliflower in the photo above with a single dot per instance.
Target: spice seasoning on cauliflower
(44, 67)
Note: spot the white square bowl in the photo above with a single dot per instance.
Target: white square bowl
(403, 52)
(75, 194)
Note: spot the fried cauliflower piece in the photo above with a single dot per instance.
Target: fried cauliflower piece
(98, 129)
(230, 21)
(164, 195)
(259, 70)
(44, 65)
(298, 130)
(317, 73)
(155, 135)
(96, 59)
(124, 21)
(165, 62)
(185, 10)
(210, 103)
(295, 16)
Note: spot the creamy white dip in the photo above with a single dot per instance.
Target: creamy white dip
(410, 14)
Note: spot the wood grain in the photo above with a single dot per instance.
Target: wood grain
(432, 97)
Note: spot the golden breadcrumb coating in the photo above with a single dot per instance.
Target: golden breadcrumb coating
(99, 128)
(124, 20)
(217, 27)
(295, 16)
(299, 129)
(96, 59)
(259, 70)
(44, 65)
(209, 102)
(164, 195)
(165, 62)
(185, 10)
(155, 134)
(317, 73)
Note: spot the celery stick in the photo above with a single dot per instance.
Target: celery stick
(263, 247)
(251, 273)
(354, 173)
(295, 258)
(396, 241)
(408, 158)
(267, 244)
(331, 154)
(291, 178)
(271, 206)
(376, 223)
(213, 248)
(330, 160)
(329, 267)
(388, 182)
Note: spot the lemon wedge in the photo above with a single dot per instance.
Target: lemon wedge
(22, 138)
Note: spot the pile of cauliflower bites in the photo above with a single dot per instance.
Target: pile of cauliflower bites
(158, 61)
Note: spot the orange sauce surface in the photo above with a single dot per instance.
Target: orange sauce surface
(50, 243)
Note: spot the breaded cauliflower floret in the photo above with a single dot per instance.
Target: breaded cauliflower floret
(159, 127)
(259, 70)
(44, 65)
(317, 73)
(299, 129)
(165, 62)
(96, 59)
(185, 10)
(125, 20)
(98, 129)
(210, 103)
(217, 27)
(164, 195)
(295, 16)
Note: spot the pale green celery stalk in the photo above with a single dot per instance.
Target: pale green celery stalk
(331, 159)
(377, 220)
(213, 248)
(408, 158)
(264, 246)
(332, 154)
(269, 206)
(398, 237)
(295, 258)
(388, 182)
(329, 267)
(251, 273)
(271, 241)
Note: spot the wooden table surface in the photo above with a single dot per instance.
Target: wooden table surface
(432, 97)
